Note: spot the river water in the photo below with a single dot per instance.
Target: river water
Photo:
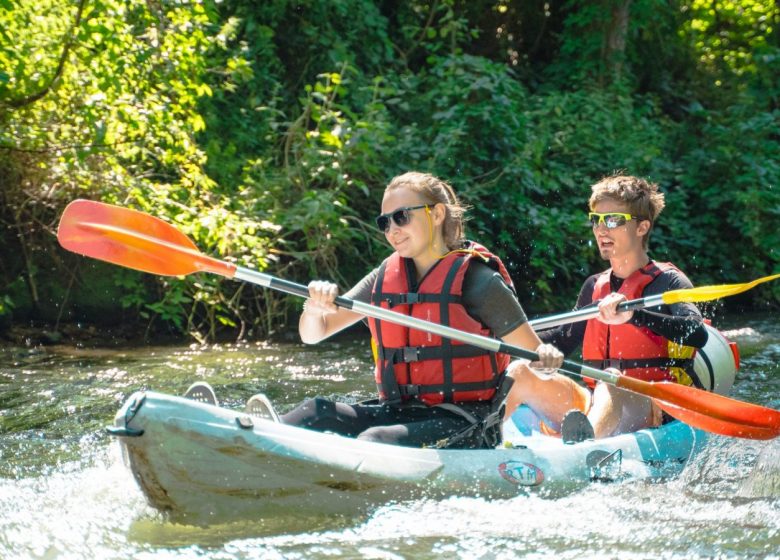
(65, 493)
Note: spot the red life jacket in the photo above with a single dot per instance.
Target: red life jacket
(415, 364)
(636, 351)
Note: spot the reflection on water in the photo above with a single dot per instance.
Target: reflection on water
(64, 491)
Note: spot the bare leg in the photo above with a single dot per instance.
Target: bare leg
(549, 396)
(616, 411)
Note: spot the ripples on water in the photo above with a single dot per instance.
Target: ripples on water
(64, 492)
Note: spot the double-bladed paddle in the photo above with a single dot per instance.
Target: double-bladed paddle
(142, 242)
(684, 295)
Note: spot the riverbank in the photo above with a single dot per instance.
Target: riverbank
(84, 335)
(129, 335)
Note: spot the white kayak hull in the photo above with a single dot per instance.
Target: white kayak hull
(202, 463)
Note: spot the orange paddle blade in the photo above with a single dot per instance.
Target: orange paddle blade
(708, 411)
(133, 239)
(717, 425)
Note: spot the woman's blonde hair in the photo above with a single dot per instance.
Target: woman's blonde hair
(642, 197)
(435, 191)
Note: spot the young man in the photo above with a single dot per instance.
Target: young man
(651, 344)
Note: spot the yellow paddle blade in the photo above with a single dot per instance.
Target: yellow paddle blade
(709, 293)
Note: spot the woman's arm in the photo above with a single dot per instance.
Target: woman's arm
(488, 299)
(319, 321)
(321, 318)
(525, 337)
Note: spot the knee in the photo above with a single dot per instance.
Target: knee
(378, 434)
(528, 381)
(609, 396)
(604, 391)
(521, 375)
(309, 407)
(517, 369)
(305, 413)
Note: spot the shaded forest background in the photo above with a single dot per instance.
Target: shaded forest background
(267, 130)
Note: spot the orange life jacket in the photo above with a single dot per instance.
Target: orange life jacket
(415, 364)
(636, 351)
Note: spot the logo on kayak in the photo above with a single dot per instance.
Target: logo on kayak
(521, 474)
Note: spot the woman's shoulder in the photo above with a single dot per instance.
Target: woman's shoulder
(481, 272)
(362, 290)
(484, 283)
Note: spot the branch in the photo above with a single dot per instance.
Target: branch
(32, 98)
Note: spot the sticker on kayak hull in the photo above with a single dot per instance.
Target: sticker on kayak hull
(521, 474)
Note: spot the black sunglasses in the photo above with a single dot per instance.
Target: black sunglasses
(401, 217)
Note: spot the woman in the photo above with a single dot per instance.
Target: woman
(432, 391)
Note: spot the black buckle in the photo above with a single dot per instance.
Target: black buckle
(409, 298)
(616, 363)
(402, 299)
(410, 390)
(410, 354)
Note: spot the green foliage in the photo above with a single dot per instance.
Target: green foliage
(6, 307)
(329, 182)
(571, 136)
(117, 121)
(267, 132)
(728, 34)
(727, 183)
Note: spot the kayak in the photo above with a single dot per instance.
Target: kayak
(201, 463)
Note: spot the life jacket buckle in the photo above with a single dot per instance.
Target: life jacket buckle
(410, 354)
(616, 363)
(409, 390)
(409, 298)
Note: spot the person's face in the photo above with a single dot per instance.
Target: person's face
(623, 240)
(412, 237)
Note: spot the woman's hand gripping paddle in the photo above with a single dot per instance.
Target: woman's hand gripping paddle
(142, 242)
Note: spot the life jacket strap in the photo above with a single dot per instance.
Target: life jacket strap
(412, 298)
(634, 363)
(411, 390)
(486, 431)
(408, 354)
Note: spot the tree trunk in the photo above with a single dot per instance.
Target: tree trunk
(614, 46)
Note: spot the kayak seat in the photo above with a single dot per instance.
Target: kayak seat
(258, 406)
(201, 391)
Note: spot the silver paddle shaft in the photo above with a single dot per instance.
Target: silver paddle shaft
(592, 312)
(487, 343)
